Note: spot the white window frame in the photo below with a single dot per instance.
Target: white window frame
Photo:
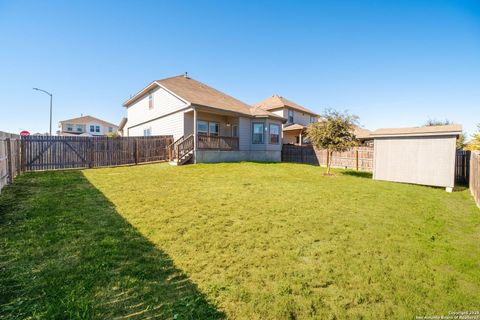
(216, 134)
(79, 126)
(147, 132)
(290, 114)
(97, 129)
(202, 132)
(208, 132)
(150, 101)
(263, 132)
(69, 127)
(270, 125)
(92, 128)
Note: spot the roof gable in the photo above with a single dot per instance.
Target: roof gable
(276, 102)
(197, 93)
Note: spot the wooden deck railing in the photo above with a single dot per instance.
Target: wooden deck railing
(185, 148)
(218, 143)
(172, 148)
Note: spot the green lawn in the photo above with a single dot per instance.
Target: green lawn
(242, 241)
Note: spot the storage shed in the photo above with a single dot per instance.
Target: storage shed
(420, 155)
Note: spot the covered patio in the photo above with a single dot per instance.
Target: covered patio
(295, 134)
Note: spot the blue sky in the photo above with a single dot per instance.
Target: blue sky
(392, 63)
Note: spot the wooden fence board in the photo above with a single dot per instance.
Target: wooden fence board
(9, 157)
(52, 153)
(358, 158)
(474, 178)
(462, 167)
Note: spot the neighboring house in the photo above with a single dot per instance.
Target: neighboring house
(207, 125)
(363, 136)
(298, 117)
(86, 126)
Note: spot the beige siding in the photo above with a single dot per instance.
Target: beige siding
(168, 125)
(289, 137)
(421, 160)
(164, 103)
(301, 118)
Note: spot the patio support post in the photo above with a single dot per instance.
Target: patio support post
(195, 134)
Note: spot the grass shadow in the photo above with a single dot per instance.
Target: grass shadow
(359, 174)
(67, 253)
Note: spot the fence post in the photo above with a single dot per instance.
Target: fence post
(23, 156)
(9, 161)
(136, 150)
(356, 158)
(91, 152)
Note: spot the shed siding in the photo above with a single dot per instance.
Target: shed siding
(427, 160)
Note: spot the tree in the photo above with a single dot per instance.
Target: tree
(475, 142)
(335, 132)
(113, 135)
(433, 122)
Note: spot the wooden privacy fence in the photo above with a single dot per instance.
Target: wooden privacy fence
(51, 153)
(462, 166)
(9, 157)
(358, 158)
(475, 176)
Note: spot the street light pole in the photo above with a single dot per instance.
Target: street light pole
(51, 98)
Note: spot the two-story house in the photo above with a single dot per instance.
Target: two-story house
(206, 124)
(298, 117)
(86, 126)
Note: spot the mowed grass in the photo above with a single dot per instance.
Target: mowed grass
(242, 241)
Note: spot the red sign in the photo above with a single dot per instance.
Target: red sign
(24, 133)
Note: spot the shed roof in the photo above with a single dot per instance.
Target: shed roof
(453, 129)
